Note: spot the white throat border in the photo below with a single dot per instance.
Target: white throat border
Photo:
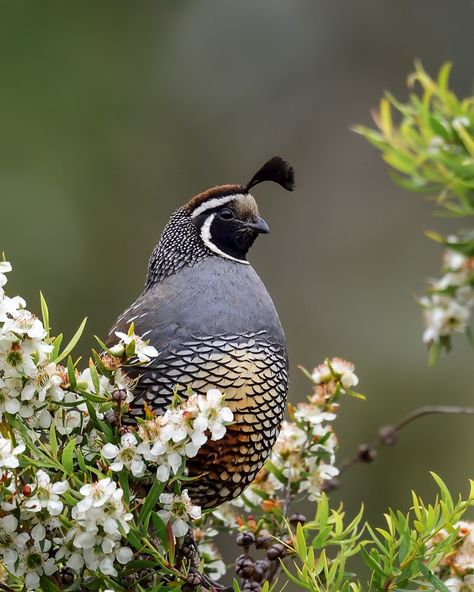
(207, 238)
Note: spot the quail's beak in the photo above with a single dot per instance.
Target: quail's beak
(258, 225)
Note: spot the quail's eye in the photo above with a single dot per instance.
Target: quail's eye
(226, 214)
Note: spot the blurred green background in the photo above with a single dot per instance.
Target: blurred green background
(113, 114)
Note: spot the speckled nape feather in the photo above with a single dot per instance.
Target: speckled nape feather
(178, 247)
(214, 325)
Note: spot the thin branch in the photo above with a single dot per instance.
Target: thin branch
(388, 435)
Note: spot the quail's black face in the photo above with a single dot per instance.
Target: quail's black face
(229, 229)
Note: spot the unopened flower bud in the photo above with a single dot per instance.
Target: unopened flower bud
(117, 350)
(388, 435)
(119, 395)
(26, 491)
(110, 416)
(367, 453)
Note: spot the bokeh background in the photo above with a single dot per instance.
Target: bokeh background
(113, 114)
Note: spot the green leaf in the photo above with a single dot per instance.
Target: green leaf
(300, 543)
(44, 313)
(445, 495)
(72, 344)
(48, 586)
(71, 374)
(53, 441)
(123, 480)
(151, 500)
(434, 353)
(94, 376)
(67, 458)
(160, 529)
(56, 345)
(431, 578)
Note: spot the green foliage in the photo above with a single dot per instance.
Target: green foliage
(407, 554)
(429, 141)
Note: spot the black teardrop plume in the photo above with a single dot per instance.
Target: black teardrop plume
(276, 170)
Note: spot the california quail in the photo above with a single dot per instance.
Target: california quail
(211, 319)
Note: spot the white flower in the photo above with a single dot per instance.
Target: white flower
(33, 560)
(453, 584)
(454, 261)
(314, 482)
(85, 382)
(67, 420)
(96, 494)
(143, 351)
(290, 439)
(214, 416)
(8, 526)
(25, 324)
(5, 267)
(125, 455)
(9, 307)
(10, 388)
(336, 369)
(443, 315)
(102, 506)
(174, 427)
(169, 459)
(313, 414)
(46, 495)
(460, 121)
(212, 560)
(8, 454)
(178, 509)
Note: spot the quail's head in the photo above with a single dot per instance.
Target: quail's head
(227, 216)
(222, 222)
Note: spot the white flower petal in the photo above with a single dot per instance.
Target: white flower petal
(180, 527)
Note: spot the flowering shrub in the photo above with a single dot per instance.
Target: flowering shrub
(432, 151)
(89, 502)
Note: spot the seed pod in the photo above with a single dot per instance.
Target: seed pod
(264, 540)
(245, 539)
(251, 587)
(297, 518)
(275, 551)
(245, 566)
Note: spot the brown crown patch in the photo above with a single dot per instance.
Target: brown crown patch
(212, 193)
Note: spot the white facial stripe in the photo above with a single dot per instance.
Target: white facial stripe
(207, 239)
(215, 202)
